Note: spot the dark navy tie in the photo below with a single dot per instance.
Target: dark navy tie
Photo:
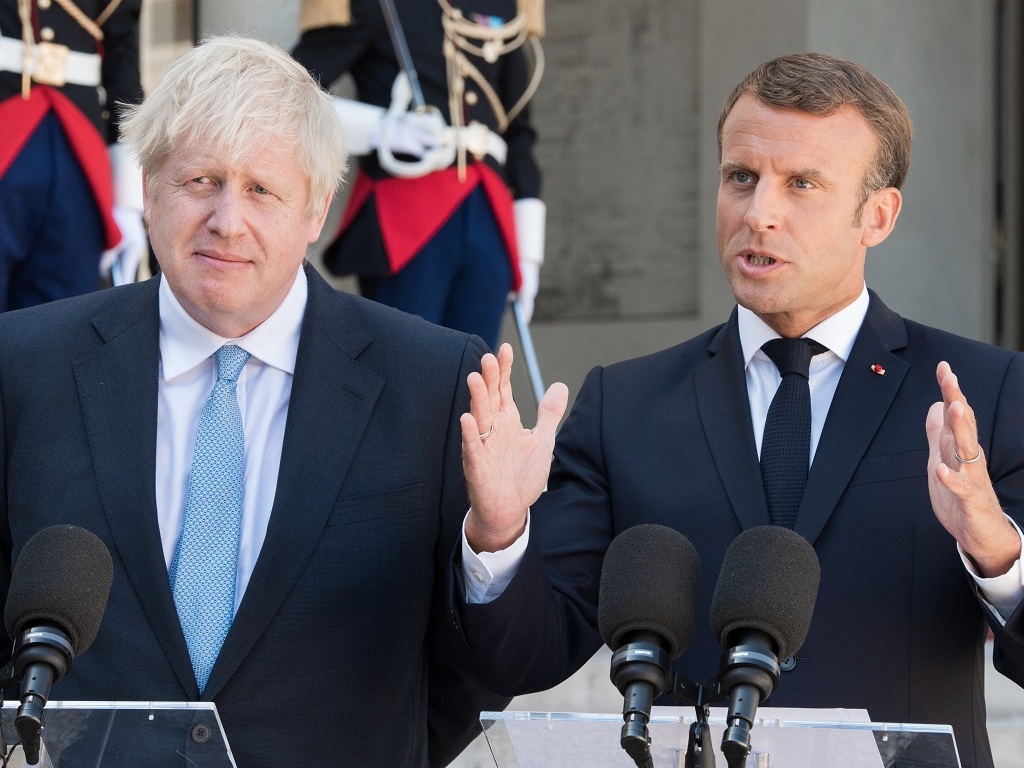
(786, 444)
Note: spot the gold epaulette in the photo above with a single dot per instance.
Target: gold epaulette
(324, 13)
(534, 12)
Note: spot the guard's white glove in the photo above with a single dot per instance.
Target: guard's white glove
(122, 261)
(412, 133)
(530, 217)
(366, 127)
(421, 133)
(359, 124)
(530, 274)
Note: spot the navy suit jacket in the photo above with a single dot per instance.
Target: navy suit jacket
(337, 655)
(898, 628)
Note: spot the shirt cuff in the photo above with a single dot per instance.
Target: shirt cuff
(488, 573)
(1002, 593)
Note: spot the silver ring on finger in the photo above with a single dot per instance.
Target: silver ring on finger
(967, 461)
(485, 435)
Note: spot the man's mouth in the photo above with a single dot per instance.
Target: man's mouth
(759, 261)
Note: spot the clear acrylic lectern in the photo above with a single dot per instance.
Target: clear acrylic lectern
(561, 740)
(117, 734)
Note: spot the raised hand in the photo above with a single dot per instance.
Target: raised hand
(506, 465)
(961, 491)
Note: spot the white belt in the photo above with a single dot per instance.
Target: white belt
(52, 64)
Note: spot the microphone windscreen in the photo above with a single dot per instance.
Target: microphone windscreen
(649, 583)
(62, 578)
(769, 581)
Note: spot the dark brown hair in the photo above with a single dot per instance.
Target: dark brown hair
(820, 84)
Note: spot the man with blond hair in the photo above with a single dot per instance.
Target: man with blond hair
(273, 465)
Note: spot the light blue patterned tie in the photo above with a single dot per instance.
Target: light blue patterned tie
(204, 566)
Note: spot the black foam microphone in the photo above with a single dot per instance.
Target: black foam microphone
(55, 603)
(646, 609)
(761, 611)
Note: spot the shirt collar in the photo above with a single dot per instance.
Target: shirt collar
(837, 332)
(184, 343)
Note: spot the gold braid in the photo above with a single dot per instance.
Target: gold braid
(84, 21)
(27, 40)
(489, 43)
(107, 12)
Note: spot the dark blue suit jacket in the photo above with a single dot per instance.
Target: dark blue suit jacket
(898, 628)
(337, 655)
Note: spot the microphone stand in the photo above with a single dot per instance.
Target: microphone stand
(639, 670)
(7, 676)
(699, 751)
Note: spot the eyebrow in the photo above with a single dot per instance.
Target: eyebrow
(729, 167)
(812, 174)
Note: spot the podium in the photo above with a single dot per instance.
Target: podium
(780, 738)
(125, 734)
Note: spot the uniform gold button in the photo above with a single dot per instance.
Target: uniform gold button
(46, 33)
(471, 98)
(44, 4)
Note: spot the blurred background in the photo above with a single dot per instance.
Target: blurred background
(627, 115)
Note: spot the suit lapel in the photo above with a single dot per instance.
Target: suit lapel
(117, 389)
(332, 399)
(725, 414)
(861, 402)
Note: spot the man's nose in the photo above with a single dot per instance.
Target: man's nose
(764, 212)
(226, 217)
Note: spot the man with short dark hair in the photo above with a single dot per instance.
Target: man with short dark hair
(908, 461)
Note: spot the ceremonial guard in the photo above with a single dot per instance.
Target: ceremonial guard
(444, 218)
(70, 198)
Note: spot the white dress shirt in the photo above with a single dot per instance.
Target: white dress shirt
(488, 573)
(188, 372)
(837, 333)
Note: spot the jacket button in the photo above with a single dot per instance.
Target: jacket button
(201, 733)
(788, 663)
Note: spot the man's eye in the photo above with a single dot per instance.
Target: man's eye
(260, 190)
(742, 177)
(803, 184)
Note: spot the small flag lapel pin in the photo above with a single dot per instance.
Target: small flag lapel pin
(878, 369)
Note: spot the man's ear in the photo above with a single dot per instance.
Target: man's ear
(318, 221)
(879, 215)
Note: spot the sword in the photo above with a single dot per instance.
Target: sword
(405, 64)
(529, 355)
(402, 51)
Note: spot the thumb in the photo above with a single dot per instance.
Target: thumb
(933, 423)
(552, 407)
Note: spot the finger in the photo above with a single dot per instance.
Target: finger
(967, 450)
(959, 418)
(552, 407)
(489, 371)
(470, 435)
(949, 384)
(479, 399)
(505, 377)
(933, 426)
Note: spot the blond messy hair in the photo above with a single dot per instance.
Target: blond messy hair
(235, 93)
